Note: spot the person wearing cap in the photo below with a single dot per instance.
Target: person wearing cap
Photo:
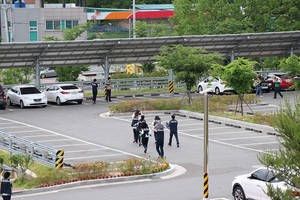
(172, 126)
(6, 184)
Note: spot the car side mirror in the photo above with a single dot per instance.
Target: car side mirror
(253, 176)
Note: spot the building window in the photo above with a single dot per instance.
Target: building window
(60, 25)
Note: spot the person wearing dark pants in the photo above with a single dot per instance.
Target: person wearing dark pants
(277, 82)
(159, 127)
(108, 87)
(172, 125)
(134, 125)
(95, 90)
(144, 132)
(6, 184)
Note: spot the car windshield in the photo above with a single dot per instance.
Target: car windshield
(69, 87)
(29, 90)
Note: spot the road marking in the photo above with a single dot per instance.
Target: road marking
(26, 131)
(84, 150)
(33, 136)
(41, 141)
(86, 157)
(251, 144)
(70, 145)
(75, 139)
(233, 132)
(242, 138)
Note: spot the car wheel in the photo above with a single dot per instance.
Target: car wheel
(22, 104)
(2, 108)
(238, 193)
(58, 102)
(79, 102)
(200, 89)
(43, 75)
(8, 101)
(217, 91)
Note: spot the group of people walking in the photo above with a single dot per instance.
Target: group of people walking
(108, 87)
(142, 131)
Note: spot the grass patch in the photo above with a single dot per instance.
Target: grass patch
(49, 176)
(218, 106)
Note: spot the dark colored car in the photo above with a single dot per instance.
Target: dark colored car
(2, 99)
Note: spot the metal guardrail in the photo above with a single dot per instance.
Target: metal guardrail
(118, 84)
(40, 153)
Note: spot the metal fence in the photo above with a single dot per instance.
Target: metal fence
(119, 84)
(40, 153)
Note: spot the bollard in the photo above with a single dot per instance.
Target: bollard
(171, 87)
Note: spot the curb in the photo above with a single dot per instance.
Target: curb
(96, 182)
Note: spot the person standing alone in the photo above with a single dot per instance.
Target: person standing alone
(95, 90)
(277, 82)
(172, 125)
(108, 87)
(6, 184)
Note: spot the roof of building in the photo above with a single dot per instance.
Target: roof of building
(140, 50)
(154, 6)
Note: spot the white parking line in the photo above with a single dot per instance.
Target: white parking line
(242, 138)
(211, 128)
(86, 157)
(70, 145)
(40, 141)
(9, 127)
(251, 144)
(25, 131)
(75, 139)
(85, 150)
(33, 136)
(233, 132)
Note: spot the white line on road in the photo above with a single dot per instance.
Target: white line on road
(242, 138)
(251, 144)
(86, 157)
(233, 132)
(85, 150)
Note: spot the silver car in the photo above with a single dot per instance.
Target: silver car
(48, 72)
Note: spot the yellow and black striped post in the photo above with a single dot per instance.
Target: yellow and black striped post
(205, 186)
(59, 161)
(171, 86)
(105, 92)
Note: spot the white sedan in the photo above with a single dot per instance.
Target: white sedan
(25, 96)
(254, 185)
(218, 86)
(61, 93)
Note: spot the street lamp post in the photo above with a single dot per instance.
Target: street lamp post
(205, 166)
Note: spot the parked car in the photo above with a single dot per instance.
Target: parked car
(2, 98)
(90, 76)
(218, 86)
(254, 185)
(61, 93)
(48, 72)
(25, 96)
(286, 81)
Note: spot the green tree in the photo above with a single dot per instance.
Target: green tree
(238, 75)
(148, 67)
(188, 64)
(285, 161)
(152, 30)
(292, 65)
(16, 75)
(238, 16)
(70, 73)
